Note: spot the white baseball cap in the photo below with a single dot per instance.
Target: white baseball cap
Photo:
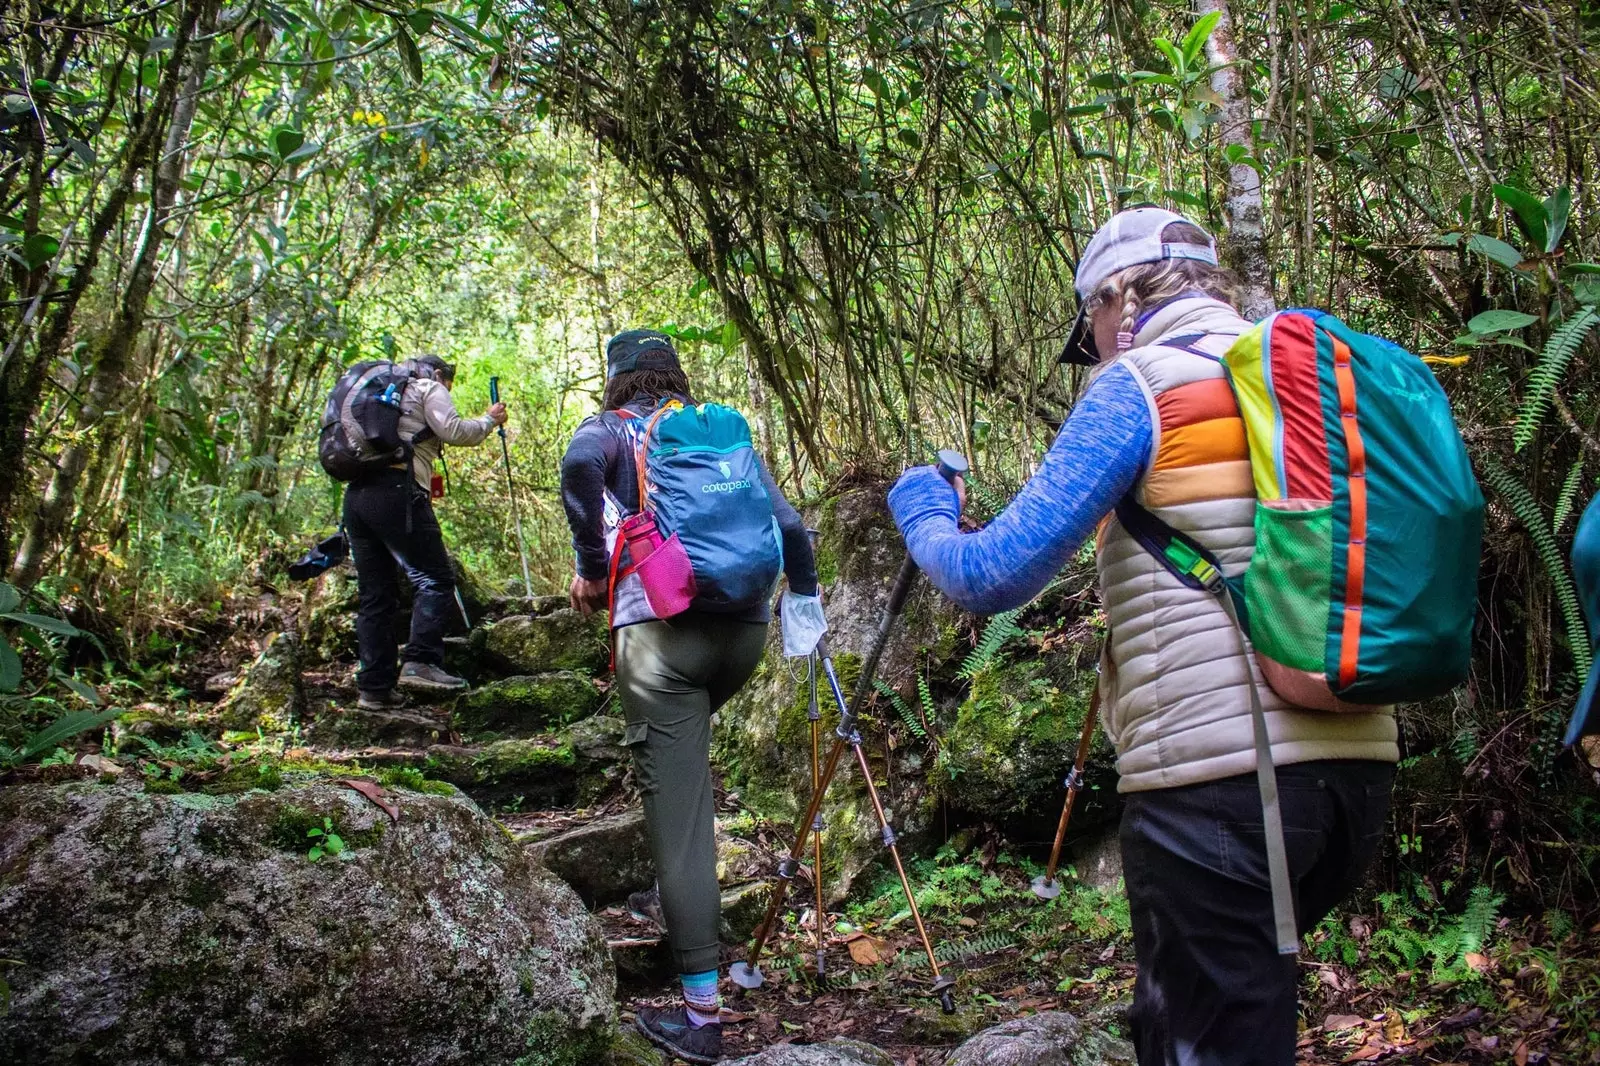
(1129, 239)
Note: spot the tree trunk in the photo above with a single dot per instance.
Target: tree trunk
(1246, 245)
(107, 383)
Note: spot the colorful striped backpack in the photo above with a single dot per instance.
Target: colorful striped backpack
(1368, 524)
(1362, 588)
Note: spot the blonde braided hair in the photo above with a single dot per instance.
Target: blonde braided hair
(1151, 285)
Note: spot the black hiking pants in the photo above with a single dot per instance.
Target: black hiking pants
(1212, 989)
(389, 520)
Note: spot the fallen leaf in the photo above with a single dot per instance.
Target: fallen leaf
(1334, 1022)
(869, 950)
(1330, 979)
(100, 764)
(966, 922)
(1105, 956)
(374, 792)
(1477, 963)
(1520, 1055)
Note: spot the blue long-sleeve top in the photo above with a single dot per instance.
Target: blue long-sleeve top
(1095, 460)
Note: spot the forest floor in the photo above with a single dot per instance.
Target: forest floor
(1399, 980)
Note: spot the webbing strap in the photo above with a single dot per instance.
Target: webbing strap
(1196, 567)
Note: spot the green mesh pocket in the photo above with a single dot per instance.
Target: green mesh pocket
(1287, 586)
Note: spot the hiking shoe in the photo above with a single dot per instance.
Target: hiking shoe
(380, 701)
(425, 677)
(646, 906)
(670, 1031)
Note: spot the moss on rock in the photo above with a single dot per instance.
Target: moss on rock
(537, 644)
(185, 929)
(269, 695)
(527, 704)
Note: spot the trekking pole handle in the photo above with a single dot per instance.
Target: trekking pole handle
(494, 390)
(952, 464)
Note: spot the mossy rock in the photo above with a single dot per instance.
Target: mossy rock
(1052, 1038)
(573, 767)
(351, 727)
(195, 928)
(630, 1048)
(836, 1052)
(537, 644)
(269, 695)
(526, 705)
(603, 861)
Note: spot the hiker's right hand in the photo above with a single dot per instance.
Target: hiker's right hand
(497, 414)
(959, 483)
(587, 596)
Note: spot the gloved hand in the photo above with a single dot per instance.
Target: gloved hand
(803, 624)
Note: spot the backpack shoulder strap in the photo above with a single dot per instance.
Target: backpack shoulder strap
(643, 441)
(1198, 568)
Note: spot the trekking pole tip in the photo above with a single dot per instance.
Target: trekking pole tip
(746, 976)
(1046, 887)
(944, 988)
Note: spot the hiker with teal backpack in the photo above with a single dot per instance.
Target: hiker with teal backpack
(1288, 536)
(681, 532)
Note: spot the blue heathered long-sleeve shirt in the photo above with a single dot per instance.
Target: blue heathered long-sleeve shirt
(1095, 460)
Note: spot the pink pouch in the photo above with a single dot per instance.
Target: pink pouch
(662, 565)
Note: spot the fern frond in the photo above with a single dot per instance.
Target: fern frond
(1001, 628)
(925, 694)
(1477, 921)
(1569, 495)
(956, 950)
(1558, 352)
(1527, 510)
(907, 715)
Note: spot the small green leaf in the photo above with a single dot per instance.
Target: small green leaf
(994, 43)
(10, 668)
(84, 692)
(38, 249)
(1195, 40)
(1528, 209)
(1495, 249)
(10, 598)
(1079, 110)
(1174, 57)
(1556, 209)
(420, 21)
(334, 844)
(409, 56)
(305, 151)
(286, 139)
(908, 137)
(1500, 320)
(1038, 122)
(58, 626)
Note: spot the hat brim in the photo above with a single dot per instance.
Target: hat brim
(1586, 715)
(1080, 349)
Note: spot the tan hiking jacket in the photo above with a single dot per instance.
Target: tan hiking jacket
(427, 403)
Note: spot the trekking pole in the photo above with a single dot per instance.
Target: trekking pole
(511, 490)
(747, 973)
(815, 716)
(1045, 886)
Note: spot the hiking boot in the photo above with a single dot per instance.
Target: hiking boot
(425, 677)
(380, 701)
(646, 906)
(670, 1031)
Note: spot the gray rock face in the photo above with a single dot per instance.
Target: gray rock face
(1053, 1038)
(836, 1052)
(604, 860)
(538, 644)
(526, 705)
(188, 928)
(351, 727)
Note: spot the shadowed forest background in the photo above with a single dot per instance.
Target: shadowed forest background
(859, 221)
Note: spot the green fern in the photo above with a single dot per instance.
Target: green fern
(1527, 510)
(987, 943)
(1568, 498)
(1001, 628)
(1553, 361)
(903, 709)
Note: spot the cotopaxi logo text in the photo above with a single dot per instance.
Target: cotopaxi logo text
(726, 486)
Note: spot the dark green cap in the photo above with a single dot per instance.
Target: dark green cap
(639, 349)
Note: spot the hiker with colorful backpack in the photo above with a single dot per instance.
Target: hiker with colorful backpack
(681, 532)
(1288, 533)
(384, 427)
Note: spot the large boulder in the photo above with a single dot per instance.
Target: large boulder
(188, 928)
(351, 727)
(1053, 1038)
(526, 705)
(571, 768)
(535, 644)
(269, 695)
(835, 1052)
(603, 860)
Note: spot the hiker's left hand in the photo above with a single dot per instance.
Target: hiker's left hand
(588, 596)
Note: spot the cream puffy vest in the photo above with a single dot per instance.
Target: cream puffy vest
(1175, 686)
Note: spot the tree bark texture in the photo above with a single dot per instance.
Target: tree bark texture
(1246, 244)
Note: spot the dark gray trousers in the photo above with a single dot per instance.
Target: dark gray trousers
(1212, 989)
(671, 676)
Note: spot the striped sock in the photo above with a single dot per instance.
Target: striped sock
(700, 998)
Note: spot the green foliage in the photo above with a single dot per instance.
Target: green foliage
(1528, 512)
(984, 944)
(1416, 931)
(324, 841)
(1550, 371)
(999, 629)
(1567, 499)
(912, 719)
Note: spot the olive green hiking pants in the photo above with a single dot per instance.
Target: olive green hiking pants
(672, 675)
